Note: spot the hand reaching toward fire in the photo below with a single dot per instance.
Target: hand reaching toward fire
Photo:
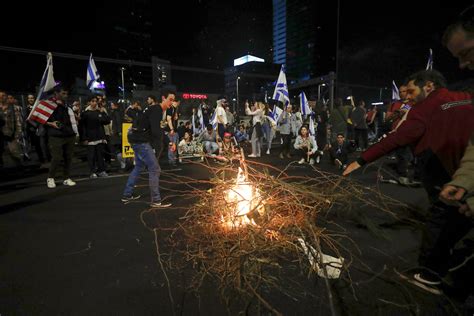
(353, 166)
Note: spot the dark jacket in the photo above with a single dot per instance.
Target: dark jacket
(146, 127)
(61, 115)
(117, 118)
(93, 122)
(358, 118)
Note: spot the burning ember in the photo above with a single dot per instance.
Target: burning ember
(243, 199)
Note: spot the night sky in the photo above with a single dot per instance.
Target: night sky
(378, 41)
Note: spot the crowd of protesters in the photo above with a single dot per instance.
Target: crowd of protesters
(427, 131)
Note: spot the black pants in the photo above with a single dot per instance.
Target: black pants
(303, 153)
(285, 147)
(342, 156)
(61, 148)
(444, 228)
(35, 142)
(361, 138)
(95, 158)
(404, 156)
(44, 143)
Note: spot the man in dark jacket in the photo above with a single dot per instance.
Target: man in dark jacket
(117, 118)
(438, 127)
(62, 130)
(93, 121)
(339, 151)
(146, 134)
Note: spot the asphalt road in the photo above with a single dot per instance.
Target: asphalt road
(80, 251)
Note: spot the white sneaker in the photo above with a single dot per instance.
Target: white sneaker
(301, 161)
(69, 182)
(318, 159)
(50, 182)
(252, 156)
(93, 176)
(268, 151)
(311, 161)
(103, 174)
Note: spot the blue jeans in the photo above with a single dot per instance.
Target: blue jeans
(144, 156)
(172, 154)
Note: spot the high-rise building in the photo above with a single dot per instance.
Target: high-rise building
(131, 38)
(304, 37)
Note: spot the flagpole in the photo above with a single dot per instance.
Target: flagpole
(237, 86)
(123, 84)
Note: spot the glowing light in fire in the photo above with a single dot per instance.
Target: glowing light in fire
(241, 199)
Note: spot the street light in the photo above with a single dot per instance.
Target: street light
(319, 90)
(123, 83)
(237, 84)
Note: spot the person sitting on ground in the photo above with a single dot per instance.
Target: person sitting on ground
(228, 149)
(305, 146)
(188, 147)
(208, 138)
(241, 135)
(339, 151)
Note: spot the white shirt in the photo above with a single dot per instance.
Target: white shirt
(221, 115)
(257, 115)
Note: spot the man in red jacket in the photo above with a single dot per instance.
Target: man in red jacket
(438, 127)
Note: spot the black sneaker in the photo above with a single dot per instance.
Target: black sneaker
(127, 199)
(159, 205)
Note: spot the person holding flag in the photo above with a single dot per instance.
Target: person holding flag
(59, 122)
(62, 130)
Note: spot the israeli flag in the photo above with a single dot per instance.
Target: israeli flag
(312, 130)
(47, 83)
(305, 109)
(281, 88)
(395, 92)
(429, 64)
(213, 120)
(92, 73)
(201, 119)
(275, 114)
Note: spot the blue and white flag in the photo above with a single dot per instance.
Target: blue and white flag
(41, 112)
(395, 92)
(312, 130)
(92, 73)
(429, 64)
(281, 88)
(275, 114)
(213, 120)
(305, 109)
(197, 130)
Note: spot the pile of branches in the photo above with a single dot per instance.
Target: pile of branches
(290, 229)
